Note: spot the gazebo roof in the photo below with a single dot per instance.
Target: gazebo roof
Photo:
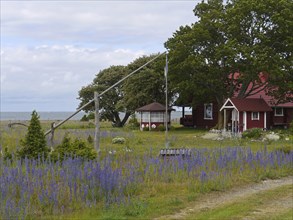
(153, 107)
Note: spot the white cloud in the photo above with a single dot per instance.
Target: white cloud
(50, 49)
(55, 71)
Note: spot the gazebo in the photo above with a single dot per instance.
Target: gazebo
(153, 115)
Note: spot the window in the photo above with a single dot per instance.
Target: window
(254, 115)
(279, 112)
(208, 111)
(157, 116)
(145, 116)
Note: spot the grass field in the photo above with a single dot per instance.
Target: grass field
(130, 181)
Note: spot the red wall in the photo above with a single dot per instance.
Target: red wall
(286, 119)
(255, 123)
(198, 117)
(289, 115)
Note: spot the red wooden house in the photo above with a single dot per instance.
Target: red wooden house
(257, 111)
(245, 114)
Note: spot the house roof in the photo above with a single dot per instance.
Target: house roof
(270, 100)
(249, 105)
(262, 93)
(153, 107)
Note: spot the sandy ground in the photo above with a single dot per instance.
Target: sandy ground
(213, 200)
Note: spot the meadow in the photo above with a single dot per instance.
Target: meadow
(130, 180)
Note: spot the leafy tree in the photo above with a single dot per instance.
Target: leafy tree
(232, 48)
(146, 86)
(109, 107)
(34, 143)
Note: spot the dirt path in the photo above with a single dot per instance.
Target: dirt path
(214, 200)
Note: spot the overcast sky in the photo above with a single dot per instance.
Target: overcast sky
(50, 49)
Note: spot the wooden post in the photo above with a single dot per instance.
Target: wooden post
(225, 119)
(52, 134)
(97, 122)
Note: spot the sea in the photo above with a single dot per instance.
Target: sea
(55, 116)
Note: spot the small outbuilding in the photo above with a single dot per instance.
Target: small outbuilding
(245, 114)
(153, 115)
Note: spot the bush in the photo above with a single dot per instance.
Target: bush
(88, 117)
(90, 140)
(6, 154)
(84, 118)
(291, 127)
(254, 133)
(91, 116)
(161, 128)
(118, 140)
(78, 148)
(133, 122)
(34, 143)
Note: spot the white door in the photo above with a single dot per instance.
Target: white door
(234, 121)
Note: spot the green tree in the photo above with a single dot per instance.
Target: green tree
(109, 107)
(34, 143)
(146, 86)
(231, 48)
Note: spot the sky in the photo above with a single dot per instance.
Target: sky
(51, 49)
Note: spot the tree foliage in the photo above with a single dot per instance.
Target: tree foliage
(34, 143)
(144, 87)
(110, 104)
(228, 48)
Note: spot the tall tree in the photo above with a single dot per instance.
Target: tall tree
(146, 86)
(229, 47)
(34, 143)
(110, 104)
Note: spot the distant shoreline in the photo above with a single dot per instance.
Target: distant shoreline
(58, 116)
(44, 116)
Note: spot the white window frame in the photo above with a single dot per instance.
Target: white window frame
(282, 109)
(255, 118)
(205, 111)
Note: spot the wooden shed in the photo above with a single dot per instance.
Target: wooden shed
(153, 115)
(245, 114)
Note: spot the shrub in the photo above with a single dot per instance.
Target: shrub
(291, 127)
(254, 133)
(90, 140)
(133, 122)
(118, 140)
(34, 143)
(78, 148)
(84, 118)
(88, 117)
(91, 116)
(161, 128)
(7, 155)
